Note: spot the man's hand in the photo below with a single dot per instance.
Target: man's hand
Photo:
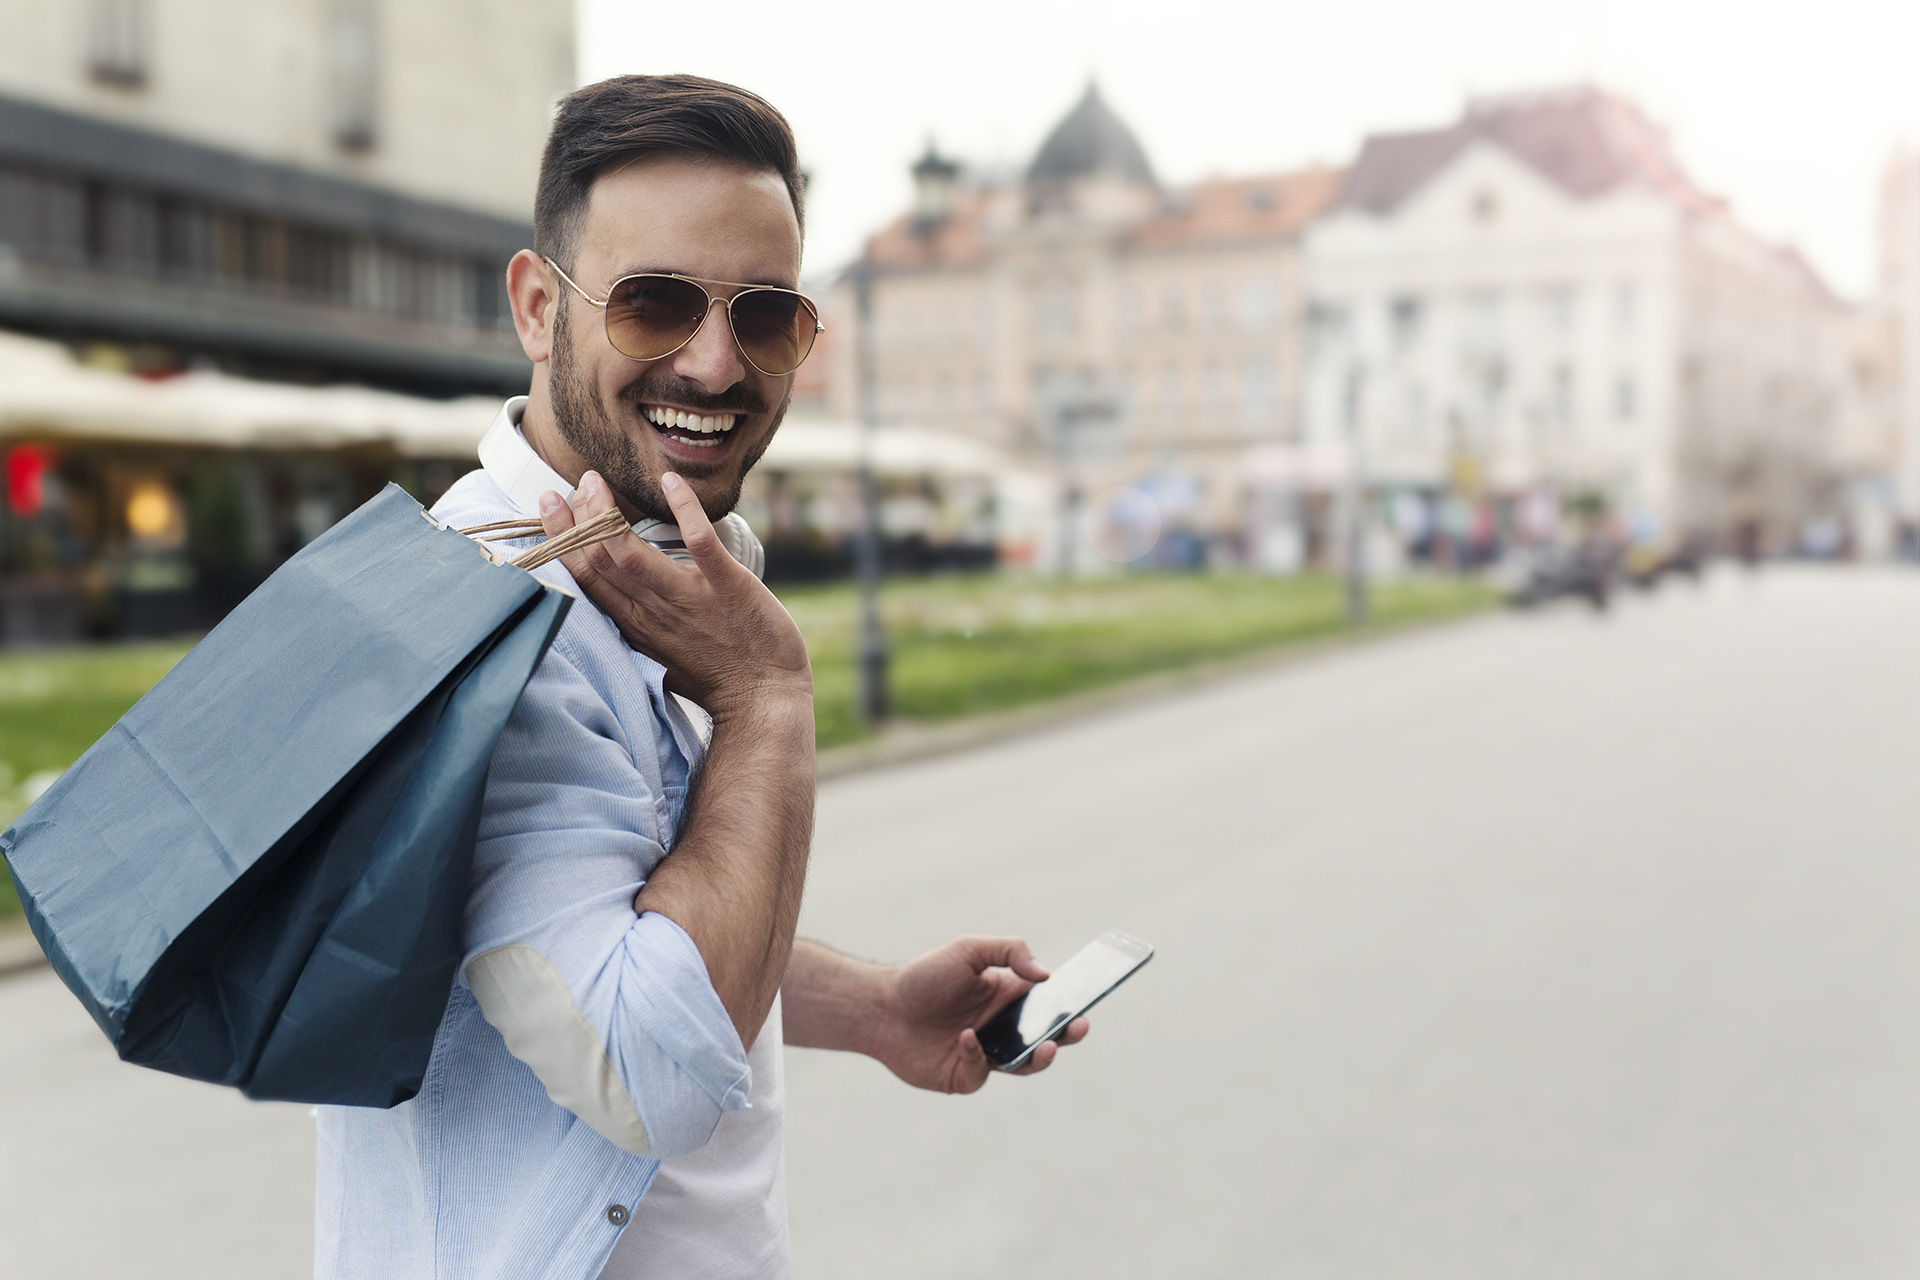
(917, 1018)
(722, 636)
(734, 877)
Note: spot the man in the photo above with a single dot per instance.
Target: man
(604, 1097)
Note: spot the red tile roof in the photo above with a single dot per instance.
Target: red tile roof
(1227, 210)
(1585, 140)
(1216, 211)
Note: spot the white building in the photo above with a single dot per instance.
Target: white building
(1536, 301)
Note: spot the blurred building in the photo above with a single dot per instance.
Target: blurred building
(313, 189)
(1084, 314)
(214, 209)
(1536, 305)
(1898, 329)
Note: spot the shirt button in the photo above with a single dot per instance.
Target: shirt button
(617, 1215)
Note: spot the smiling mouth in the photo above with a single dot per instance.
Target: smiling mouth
(701, 431)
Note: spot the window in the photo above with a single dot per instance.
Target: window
(1259, 393)
(1259, 304)
(354, 48)
(1559, 305)
(1406, 313)
(1625, 303)
(1326, 322)
(1625, 398)
(1485, 206)
(1413, 412)
(1173, 312)
(1484, 308)
(1563, 397)
(1212, 308)
(1211, 390)
(117, 42)
(1054, 314)
(902, 318)
(1170, 391)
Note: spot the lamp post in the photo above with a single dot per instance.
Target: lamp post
(874, 704)
(1356, 566)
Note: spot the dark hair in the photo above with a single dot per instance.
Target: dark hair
(629, 118)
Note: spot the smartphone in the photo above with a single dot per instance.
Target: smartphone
(1010, 1036)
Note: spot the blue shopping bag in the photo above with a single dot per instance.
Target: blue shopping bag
(257, 876)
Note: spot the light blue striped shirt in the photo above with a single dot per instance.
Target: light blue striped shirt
(582, 1043)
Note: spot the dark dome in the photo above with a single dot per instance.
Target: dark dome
(1091, 139)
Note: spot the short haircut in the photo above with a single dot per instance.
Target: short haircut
(630, 118)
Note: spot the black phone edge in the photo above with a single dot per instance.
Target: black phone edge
(1084, 1011)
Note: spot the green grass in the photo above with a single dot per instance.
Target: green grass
(53, 704)
(960, 646)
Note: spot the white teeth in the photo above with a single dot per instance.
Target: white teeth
(694, 423)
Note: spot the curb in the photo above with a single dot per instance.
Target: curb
(907, 742)
(19, 951)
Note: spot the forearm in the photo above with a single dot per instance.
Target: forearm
(830, 1000)
(734, 879)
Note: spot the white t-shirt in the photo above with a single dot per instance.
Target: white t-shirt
(721, 1212)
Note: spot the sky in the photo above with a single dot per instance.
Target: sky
(1789, 110)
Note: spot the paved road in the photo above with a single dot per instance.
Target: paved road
(1543, 946)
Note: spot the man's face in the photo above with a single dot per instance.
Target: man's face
(690, 217)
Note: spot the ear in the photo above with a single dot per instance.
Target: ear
(533, 293)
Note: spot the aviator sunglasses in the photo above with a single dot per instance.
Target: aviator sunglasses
(652, 315)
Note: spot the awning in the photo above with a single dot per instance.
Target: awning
(44, 391)
(827, 444)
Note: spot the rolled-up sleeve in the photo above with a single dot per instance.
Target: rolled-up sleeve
(613, 1011)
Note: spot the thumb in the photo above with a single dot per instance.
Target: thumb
(1011, 953)
(555, 515)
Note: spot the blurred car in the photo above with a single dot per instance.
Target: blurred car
(1646, 563)
(1585, 570)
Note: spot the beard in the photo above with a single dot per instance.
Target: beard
(592, 431)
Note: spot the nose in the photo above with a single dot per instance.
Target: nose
(711, 359)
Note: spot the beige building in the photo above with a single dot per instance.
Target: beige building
(307, 188)
(1086, 315)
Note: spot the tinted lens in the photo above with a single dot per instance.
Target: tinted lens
(774, 328)
(649, 316)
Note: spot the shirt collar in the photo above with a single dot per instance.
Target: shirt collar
(511, 463)
(524, 475)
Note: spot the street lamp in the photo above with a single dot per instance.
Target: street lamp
(1356, 567)
(874, 704)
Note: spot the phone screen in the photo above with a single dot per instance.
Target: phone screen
(1012, 1034)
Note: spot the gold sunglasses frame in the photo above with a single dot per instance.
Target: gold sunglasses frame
(819, 327)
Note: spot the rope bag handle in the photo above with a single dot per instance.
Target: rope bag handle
(608, 524)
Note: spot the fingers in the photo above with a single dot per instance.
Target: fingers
(1007, 953)
(703, 544)
(1044, 1055)
(1042, 1059)
(626, 559)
